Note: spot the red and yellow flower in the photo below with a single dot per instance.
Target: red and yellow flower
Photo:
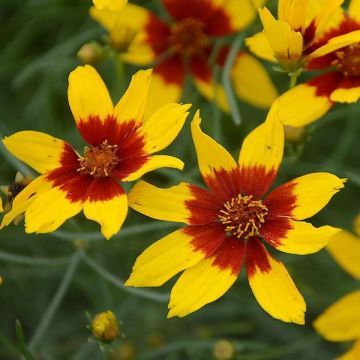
(229, 224)
(327, 40)
(341, 321)
(186, 45)
(120, 147)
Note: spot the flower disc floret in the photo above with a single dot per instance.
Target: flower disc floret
(99, 161)
(243, 216)
(348, 60)
(188, 37)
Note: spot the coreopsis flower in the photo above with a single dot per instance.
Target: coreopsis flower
(341, 321)
(115, 5)
(324, 42)
(105, 326)
(229, 225)
(120, 148)
(185, 45)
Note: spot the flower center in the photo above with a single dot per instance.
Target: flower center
(188, 37)
(348, 60)
(243, 216)
(99, 161)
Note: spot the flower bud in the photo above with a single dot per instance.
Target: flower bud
(223, 350)
(105, 326)
(90, 53)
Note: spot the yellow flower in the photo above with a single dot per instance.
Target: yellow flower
(105, 326)
(183, 46)
(120, 147)
(314, 35)
(109, 4)
(290, 39)
(341, 321)
(226, 225)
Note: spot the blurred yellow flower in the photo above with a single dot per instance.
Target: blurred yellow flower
(328, 39)
(341, 321)
(105, 326)
(120, 147)
(185, 46)
(228, 223)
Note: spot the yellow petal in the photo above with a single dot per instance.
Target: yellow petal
(132, 104)
(109, 213)
(213, 92)
(329, 16)
(345, 249)
(260, 46)
(353, 353)
(293, 12)
(169, 205)
(272, 285)
(199, 285)
(164, 259)
(261, 154)
(241, 19)
(301, 238)
(88, 95)
(304, 97)
(346, 95)
(341, 320)
(354, 9)
(249, 76)
(286, 43)
(161, 92)
(156, 162)
(163, 126)
(311, 193)
(49, 210)
(336, 43)
(24, 198)
(40, 151)
(127, 32)
(211, 155)
(110, 4)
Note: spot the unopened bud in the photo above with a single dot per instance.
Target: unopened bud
(90, 53)
(223, 350)
(105, 326)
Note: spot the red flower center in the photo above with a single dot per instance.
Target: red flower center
(243, 216)
(348, 60)
(188, 37)
(99, 161)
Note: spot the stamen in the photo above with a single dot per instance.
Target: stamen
(348, 60)
(243, 216)
(187, 37)
(99, 161)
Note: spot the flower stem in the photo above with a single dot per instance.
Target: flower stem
(27, 260)
(55, 302)
(226, 78)
(120, 283)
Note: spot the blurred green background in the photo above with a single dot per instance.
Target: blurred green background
(52, 283)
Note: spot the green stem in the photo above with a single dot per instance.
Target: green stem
(55, 302)
(226, 78)
(293, 79)
(37, 261)
(120, 283)
(96, 236)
